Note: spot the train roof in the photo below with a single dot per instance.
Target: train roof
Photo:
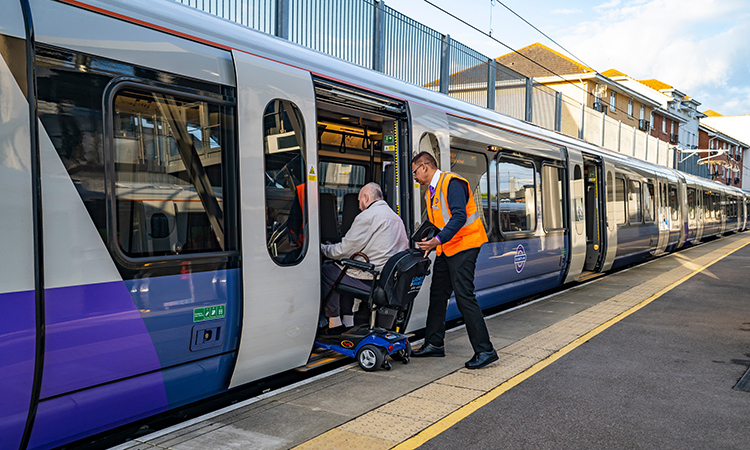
(190, 23)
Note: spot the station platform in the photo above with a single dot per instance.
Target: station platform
(648, 357)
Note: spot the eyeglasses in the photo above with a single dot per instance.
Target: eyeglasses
(414, 172)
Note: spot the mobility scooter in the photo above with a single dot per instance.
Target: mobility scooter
(389, 303)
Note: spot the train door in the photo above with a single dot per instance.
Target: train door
(362, 138)
(279, 221)
(662, 215)
(595, 208)
(577, 247)
(429, 132)
(698, 206)
(611, 221)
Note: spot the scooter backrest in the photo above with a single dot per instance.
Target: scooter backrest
(402, 278)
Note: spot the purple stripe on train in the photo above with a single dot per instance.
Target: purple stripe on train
(95, 334)
(17, 346)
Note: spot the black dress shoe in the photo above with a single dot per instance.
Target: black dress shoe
(429, 350)
(481, 359)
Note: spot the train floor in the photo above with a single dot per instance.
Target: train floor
(650, 357)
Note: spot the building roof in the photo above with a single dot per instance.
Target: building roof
(548, 62)
(711, 113)
(655, 84)
(613, 73)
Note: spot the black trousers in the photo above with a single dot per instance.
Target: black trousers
(449, 274)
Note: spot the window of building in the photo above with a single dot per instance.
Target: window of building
(613, 101)
(516, 195)
(663, 125)
(652, 121)
(169, 160)
(672, 127)
(630, 107)
(634, 202)
(286, 182)
(643, 112)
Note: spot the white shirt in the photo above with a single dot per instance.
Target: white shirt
(378, 232)
(435, 179)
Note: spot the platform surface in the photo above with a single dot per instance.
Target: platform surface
(644, 358)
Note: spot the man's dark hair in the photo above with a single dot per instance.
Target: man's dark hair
(424, 158)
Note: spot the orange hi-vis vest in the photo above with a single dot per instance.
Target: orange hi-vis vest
(472, 234)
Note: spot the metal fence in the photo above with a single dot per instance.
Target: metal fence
(372, 35)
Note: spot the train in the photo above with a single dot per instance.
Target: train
(169, 175)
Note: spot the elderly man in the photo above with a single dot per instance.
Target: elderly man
(378, 233)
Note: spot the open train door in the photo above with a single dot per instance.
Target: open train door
(577, 216)
(279, 222)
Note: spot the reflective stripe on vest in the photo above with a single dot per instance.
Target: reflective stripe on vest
(471, 234)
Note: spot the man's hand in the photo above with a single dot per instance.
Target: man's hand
(428, 245)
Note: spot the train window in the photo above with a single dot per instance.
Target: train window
(620, 201)
(610, 201)
(169, 180)
(648, 202)
(285, 180)
(340, 179)
(552, 197)
(578, 215)
(516, 194)
(706, 205)
(634, 201)
(691, 198)
(674, 206)
(473, 167)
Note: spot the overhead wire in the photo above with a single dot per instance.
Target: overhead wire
(506, 45)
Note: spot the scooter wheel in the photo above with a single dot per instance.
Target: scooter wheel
(370, 358)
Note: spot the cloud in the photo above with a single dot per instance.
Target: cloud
(701, 47)
(607, 5)
(565, 11)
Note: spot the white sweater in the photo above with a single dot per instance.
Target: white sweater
(377, 232)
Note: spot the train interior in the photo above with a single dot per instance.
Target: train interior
(360, 138)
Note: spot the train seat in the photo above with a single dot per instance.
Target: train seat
(329, 220)
(349, 210)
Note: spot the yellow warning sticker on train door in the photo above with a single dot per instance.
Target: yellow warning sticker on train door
(311, 176)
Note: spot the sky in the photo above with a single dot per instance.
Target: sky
(700, 47)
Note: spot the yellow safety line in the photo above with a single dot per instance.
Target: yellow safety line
(463, 412)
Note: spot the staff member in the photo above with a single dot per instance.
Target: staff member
(451, 207)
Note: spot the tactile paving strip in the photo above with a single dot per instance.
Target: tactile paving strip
(407, 416)
(338, 439)
(385, 426)
(419, 408)
(446, 393)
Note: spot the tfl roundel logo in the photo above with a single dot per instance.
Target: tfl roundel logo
(520, 259)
